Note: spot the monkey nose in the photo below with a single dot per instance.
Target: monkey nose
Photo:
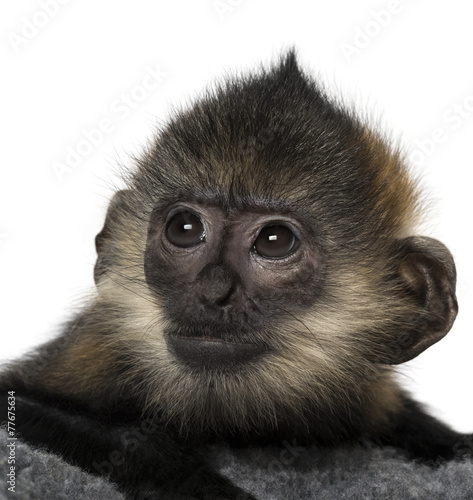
(216, 286)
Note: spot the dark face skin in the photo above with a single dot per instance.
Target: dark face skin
(227, 275)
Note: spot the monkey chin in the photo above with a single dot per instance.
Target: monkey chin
(211, 353)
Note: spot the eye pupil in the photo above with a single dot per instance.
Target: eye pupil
(185, 229)
(275, 242)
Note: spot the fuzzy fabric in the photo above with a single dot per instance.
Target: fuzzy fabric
(288, 473)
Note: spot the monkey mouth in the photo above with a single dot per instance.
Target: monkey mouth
(211, 352)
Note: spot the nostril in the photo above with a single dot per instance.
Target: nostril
(217, 295)
(224, 301)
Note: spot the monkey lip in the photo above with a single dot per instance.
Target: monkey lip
(210, 352)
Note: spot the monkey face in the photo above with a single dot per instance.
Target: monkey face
(252, 280)
(227, 276)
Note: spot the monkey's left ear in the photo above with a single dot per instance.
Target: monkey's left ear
(103, 240)
(428, 277)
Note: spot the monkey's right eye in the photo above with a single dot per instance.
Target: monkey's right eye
(185, 229)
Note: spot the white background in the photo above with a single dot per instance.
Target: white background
(66, 68)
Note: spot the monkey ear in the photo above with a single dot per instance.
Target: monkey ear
(103, 239)
(428, 277)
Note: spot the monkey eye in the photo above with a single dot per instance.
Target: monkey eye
(275, 242)
(185, 229)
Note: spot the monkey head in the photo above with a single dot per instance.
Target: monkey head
(261, 265)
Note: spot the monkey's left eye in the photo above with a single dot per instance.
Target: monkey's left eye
(275, 242)
(185, 229)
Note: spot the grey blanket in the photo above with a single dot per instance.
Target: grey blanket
(282, 473)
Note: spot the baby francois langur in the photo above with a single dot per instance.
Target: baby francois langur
(256, 281)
